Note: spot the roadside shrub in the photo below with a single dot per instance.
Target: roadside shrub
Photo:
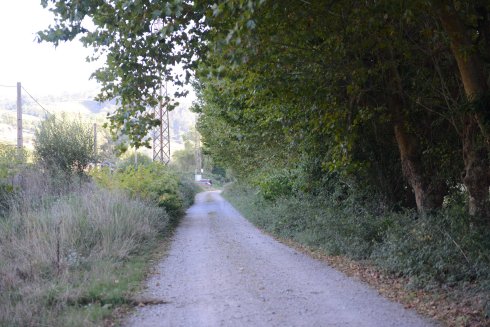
(11, 161)
(187, 190)
(153, 182)
(64, 144)
(321, 221)
(274, 186)
(129, 161)
(437, 249)
(6, 193)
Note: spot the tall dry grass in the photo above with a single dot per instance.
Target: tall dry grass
(59, 240)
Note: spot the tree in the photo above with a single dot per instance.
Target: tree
(63, 144)
(184, 160)
(470, 45)
(142, 41)
(328, 87)
(350, 85)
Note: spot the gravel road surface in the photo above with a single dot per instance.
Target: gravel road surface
(222, 271)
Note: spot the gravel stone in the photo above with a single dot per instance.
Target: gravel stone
(222, 271)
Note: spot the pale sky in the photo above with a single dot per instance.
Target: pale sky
(41, 68)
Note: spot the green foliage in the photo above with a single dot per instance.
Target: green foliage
(153, 182)
(11, 163)
(273, 186)
(436, 249)
(6, 193)
(129, 161)
(281, 81)
(64, 144)
(185, 160)
(165, 34)
(321, 95)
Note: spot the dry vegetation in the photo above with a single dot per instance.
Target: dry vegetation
(67, 256)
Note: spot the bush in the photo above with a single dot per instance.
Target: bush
(437, 249)
(274, 186)
(340, 227)
(63, 144)
(153, 182)
(11, 164)
(129, 161)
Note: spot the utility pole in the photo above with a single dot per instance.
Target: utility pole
(95, 141)
(20, 139)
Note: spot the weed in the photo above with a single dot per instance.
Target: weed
(72, 255)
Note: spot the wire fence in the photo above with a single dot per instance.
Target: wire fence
(8, 135)
(29, 94)
(37, 102)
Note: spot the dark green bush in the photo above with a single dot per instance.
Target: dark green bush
(436, 249)
(6, 193)
(340, 226)
(129, 161)
(273, 186)
(187, 191)
(12, 162)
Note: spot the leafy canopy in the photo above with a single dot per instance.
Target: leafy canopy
(143, 42)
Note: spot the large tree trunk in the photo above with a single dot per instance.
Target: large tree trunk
(428, 196)
(476, 178)
(475, 153)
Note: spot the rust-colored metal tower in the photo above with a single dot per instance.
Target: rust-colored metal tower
(161, 134)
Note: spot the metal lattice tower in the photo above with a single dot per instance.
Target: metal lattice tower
(161, 134)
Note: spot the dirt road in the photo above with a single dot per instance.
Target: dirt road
(222, 271)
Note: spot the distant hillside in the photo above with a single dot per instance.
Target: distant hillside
(80, 104)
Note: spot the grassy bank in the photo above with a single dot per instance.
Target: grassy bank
(74, 253)
(437, 255)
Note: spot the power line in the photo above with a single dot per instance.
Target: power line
(36, 100)
(8, 85)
